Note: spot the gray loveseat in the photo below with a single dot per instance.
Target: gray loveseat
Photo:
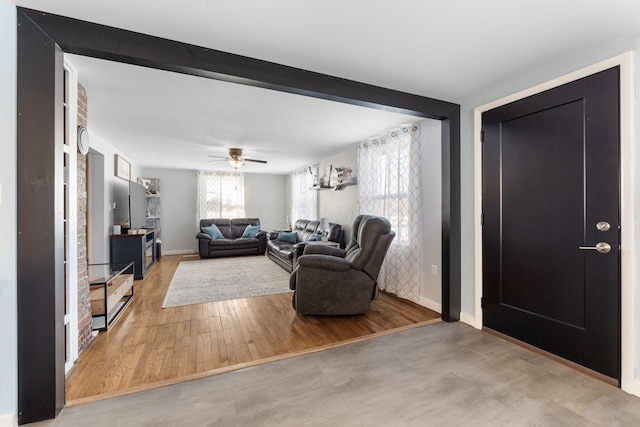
(231, 243)
(285, 253)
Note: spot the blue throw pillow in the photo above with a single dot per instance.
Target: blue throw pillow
(213, 231)
(251, 231)
(288, 237)
(314, 239)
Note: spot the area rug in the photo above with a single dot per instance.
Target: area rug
(221, 279)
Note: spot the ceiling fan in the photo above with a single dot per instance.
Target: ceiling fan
(236, 159)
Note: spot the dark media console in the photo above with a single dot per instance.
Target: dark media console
(139, 248)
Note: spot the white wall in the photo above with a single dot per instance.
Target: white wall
(8, 219)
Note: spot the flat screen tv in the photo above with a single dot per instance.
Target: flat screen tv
(137, 205)
(121, 199)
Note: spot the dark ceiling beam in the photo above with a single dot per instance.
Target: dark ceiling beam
(101, 41)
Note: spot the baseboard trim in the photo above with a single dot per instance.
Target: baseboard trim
(8, 420)
(179, 252)
(431, 304)
(469, 320)
(631, 387)
(566, 362)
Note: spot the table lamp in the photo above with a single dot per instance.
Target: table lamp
(324, 225)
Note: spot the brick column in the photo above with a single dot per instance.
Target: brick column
(84, 303)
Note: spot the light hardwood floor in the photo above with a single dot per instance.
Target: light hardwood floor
(150, 346)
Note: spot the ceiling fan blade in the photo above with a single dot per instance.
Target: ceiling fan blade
(254, 160)
(219, 157)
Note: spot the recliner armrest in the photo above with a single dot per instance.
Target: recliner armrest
(324, 250)
(202, 235)
(325, 262)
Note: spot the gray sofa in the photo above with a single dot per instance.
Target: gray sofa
(285, 254)
(333, 281)
(232, 243)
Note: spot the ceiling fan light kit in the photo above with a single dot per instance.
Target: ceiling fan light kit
(236, 159)
(236, 163)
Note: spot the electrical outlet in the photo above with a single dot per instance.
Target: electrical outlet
(434, 270)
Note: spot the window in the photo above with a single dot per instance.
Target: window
(390, 182)
(389, 185)
(220, 195)
(304, 201)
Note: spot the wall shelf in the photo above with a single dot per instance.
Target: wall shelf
(334, 187)
(153, 203)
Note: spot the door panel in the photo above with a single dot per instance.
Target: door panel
(550, 174)
(539, 201)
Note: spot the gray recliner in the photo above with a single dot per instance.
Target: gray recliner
(333, 281)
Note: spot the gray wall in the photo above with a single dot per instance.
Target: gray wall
(178, 192)
(101, 223)
(97, 210)
(8, 229)
(264, 198)
(545, 73)
(431, 248)
(342, 206)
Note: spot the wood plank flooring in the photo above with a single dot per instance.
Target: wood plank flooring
(150, 346)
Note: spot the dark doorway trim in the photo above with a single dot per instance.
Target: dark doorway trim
(52, 33)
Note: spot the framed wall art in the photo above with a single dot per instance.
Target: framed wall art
(123, 168)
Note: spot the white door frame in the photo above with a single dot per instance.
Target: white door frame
(629, 382)
(71, 318)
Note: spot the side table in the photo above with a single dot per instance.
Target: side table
(111, 291)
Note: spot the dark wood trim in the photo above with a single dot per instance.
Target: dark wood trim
(85, 38)
(451, 222)
(40, 244)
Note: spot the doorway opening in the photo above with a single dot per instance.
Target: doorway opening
(38, 59)
(627, 232)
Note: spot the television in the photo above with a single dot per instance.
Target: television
(121, 200)
(131, 205)
(137, 205)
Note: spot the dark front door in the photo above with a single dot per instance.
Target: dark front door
(551, 260)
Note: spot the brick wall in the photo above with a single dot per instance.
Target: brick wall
(84, 304)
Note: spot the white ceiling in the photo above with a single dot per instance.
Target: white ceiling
(447, 49)
(170, 120)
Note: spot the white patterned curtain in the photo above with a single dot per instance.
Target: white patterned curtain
(304, 201)
(389, 185)
(220, 195)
